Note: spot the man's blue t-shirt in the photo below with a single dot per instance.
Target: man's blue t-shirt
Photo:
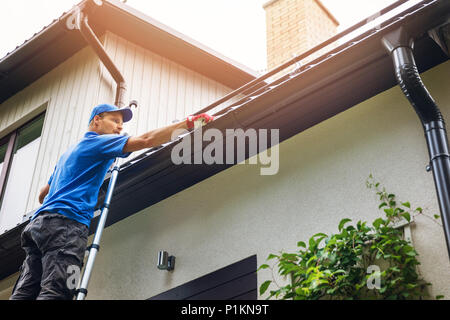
(79, 174)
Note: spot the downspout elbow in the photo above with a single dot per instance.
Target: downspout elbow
(400, 46)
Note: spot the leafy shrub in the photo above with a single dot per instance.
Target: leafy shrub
(360, 262)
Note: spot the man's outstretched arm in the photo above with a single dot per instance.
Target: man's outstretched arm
(160, 136)
(43, 193)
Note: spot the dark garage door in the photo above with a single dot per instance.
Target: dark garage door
(234, 282)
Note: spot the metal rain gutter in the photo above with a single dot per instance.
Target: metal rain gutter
(79, 21)
(400, 46)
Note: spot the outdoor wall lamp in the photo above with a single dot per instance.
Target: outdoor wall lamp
(165, 262)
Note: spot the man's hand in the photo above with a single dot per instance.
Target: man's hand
(204, 118)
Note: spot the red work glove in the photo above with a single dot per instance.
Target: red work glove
(204, 118)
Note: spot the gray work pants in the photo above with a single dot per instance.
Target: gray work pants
(54, 247)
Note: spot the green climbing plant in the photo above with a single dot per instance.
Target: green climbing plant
(361, 261)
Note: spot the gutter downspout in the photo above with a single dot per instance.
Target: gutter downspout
(400, 46)
(79, 21)
(95, 43)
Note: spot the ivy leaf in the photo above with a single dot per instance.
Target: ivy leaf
(377, 223)
(406, 204)
(339, 271)
(382, 205)
(331, 241)
(320, 234)
(379, 255)
(301, 244)
(389, 212)
(264, 266)
(436, 216)
(411, 253)
(319, 240)
(342, 223)
(311, 260)
(264, 287)
(312, 242)
(396, 270)
(272, 256)
(407, 216)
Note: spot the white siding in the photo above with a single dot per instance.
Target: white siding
(166, 91)
(63, 93)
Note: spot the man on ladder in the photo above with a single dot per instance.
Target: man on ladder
(55, 239)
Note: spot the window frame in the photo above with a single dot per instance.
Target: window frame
(11, 139)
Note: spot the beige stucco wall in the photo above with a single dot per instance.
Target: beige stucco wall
(321, 180)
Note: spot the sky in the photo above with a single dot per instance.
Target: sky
(235, 28)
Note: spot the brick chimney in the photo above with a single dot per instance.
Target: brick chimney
(295, 26)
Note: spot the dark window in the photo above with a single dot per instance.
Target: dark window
(234, 282)
(18, 154)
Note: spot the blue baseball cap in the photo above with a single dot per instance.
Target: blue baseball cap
(126, 112)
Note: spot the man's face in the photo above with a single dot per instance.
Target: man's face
(109, 123)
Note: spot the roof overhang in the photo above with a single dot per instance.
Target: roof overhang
(318, 92)
(55, 44)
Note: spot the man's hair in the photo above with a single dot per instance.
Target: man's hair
(101, 115)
